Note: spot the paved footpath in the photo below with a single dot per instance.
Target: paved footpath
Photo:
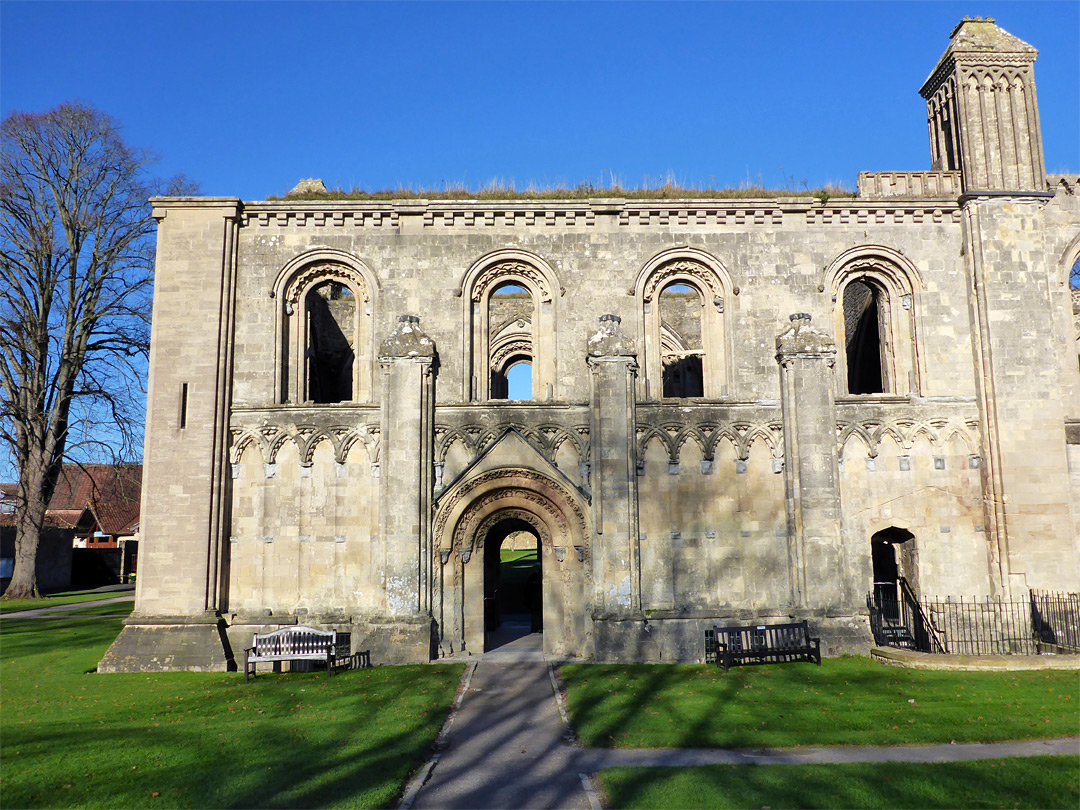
(61, 611)
(507, 744)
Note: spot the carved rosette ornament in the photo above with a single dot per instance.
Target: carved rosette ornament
(801, 340)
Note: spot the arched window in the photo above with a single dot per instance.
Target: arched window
(329, 351)
(683, 293)
(510, 336)
(325, 351)
(874, 291)
(865, 321)
(519, 380)
(680, 340)
(510, 328)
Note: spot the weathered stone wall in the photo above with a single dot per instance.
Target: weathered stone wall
(776, 253)
(655, 517)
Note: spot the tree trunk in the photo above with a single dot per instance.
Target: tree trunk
(28, 529)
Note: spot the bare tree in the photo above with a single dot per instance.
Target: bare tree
(76, 261)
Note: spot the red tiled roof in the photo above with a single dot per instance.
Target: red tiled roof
(111, 492)
(101, 497)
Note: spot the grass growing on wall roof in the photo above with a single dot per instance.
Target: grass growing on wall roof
(72, 738)
(585, 191)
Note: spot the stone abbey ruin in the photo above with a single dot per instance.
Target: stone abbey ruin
(742, 410)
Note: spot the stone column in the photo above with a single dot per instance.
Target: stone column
(406, 357)
(811, 472)
(616, 553)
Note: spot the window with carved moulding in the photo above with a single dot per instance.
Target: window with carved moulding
(874, 294)
(324, 348)
(509, 336)
(685, 296)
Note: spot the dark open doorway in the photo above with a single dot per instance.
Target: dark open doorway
(893, 555)
(513, 583)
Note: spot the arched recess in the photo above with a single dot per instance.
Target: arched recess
(471, 511)
(705, 275)
(482, 337)
(875, 293)
(315, 273)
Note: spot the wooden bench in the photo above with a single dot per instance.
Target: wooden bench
(301, 644)
(725, 646)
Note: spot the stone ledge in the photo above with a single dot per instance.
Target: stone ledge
(911, 659)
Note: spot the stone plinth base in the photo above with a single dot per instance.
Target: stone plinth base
(170, 644)
(394, 640)
(388, 640)
(674, 637)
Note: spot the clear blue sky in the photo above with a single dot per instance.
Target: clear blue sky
(247, 98)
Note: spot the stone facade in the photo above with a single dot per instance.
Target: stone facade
(691, 454)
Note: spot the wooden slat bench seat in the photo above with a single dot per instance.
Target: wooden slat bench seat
(725, 646)
(301, 644)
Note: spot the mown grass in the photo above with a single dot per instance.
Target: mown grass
(71, 738)
(66, 598)
(111, 609)
(1022, 782)
(845, 701)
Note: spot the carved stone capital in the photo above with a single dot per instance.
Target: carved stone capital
(407, 341)
(801, 340)
(610, 340)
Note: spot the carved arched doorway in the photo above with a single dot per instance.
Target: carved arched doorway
(474, 517)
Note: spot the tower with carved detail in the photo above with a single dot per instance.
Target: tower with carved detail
(982, 112)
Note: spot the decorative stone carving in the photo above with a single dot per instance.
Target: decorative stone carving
(508, 271)
(802, 340)
(320, 271)
(681, 269)
(407, 340)
(610, 340)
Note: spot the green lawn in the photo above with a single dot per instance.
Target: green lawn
(845, 701)
(73, 738)
(66, 598)
(111, 609)
(1028, 782)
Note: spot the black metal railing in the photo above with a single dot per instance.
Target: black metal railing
(1055, 620)
(1043, 623)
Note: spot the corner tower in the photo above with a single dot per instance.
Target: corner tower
(982, 112)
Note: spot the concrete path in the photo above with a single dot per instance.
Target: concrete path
(507, 744)
(59, 611)
(591, 760)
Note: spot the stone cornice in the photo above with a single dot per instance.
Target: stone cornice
(470, 215)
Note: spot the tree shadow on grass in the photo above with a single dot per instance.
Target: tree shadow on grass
(848, 701)
(210, 740)
(1036, 782)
